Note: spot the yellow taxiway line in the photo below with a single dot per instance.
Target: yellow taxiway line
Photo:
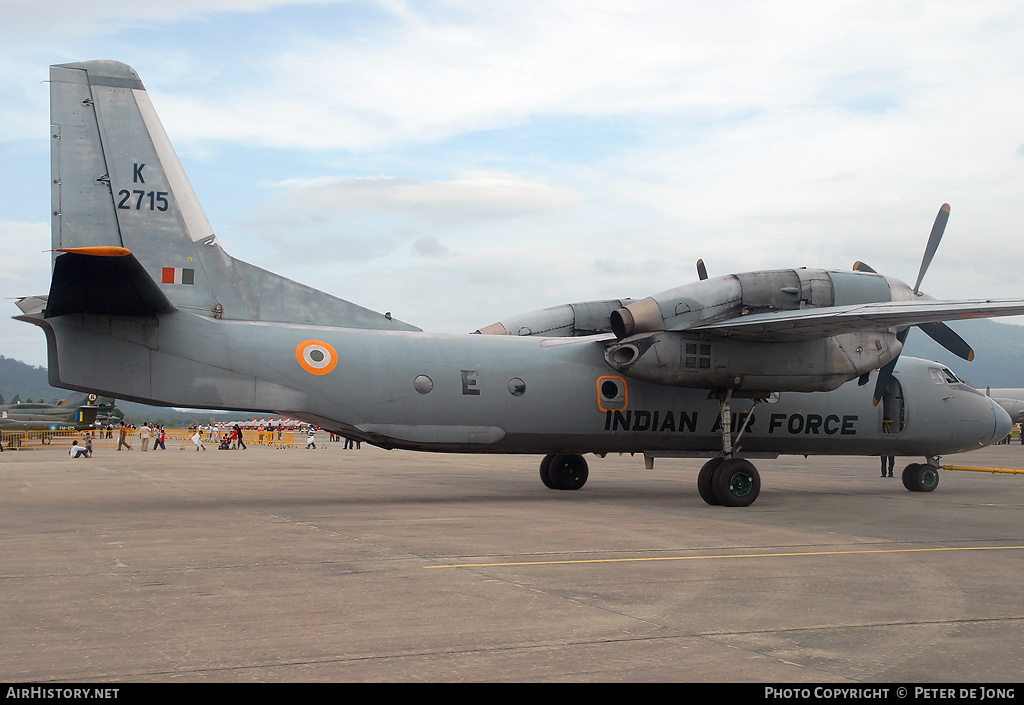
(717, 557)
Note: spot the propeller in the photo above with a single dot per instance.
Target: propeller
(933, 243)
(702, 271)
(938, 331)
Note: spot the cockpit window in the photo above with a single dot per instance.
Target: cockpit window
(943, 376)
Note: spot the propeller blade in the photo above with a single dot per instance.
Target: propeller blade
(948, 338)
(885, 372)
(933, 243)
(702, 271)
(861, 267)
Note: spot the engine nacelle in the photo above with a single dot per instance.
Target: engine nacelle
(684, 359)
(567, 320)
(736, 295)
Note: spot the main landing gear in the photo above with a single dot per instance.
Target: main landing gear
(730, 482)
(727, 480)
(565, 471)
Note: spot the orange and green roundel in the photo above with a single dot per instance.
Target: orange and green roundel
(316, 357)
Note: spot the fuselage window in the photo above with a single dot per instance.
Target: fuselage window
(936, 376)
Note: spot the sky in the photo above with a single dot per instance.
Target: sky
(460, 162)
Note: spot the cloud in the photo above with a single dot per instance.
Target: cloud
(430, 246)
(359, 219)
(471, 198)
(26, 272)
(502, 157)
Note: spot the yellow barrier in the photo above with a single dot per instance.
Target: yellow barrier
(104, 438)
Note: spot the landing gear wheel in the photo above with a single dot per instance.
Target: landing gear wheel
(735, 483)
(545, 472)
(46, 440)
(568, 471)
(704, 479)
(920, 477)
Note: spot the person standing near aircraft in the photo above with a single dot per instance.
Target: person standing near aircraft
(238, 437)
(160, 436)
(311, 439)
(144, 433)
(198, 439)
(891, 459)
(122, 439)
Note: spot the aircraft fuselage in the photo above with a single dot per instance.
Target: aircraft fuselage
(471, 393)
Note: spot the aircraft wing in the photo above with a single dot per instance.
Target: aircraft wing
(806, 324)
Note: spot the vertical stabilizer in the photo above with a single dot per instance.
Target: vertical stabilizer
(117, 182)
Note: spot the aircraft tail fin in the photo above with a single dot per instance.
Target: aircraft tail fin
(83, 416)
(118, 183)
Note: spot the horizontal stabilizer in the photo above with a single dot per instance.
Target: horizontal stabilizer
(103, 281)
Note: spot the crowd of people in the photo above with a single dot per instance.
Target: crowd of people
(231, 438)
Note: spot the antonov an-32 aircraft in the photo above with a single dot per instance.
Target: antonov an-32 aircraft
(799, 361)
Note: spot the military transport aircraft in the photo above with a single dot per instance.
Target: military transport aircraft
(734, 367)
(1012, 401)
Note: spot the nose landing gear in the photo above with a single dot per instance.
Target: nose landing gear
(921, 477)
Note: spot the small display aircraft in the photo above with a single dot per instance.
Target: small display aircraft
(40, 420)
(30, 416)
(734, 367)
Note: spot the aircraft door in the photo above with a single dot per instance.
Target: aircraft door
(893, 409)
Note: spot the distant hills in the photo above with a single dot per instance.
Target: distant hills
(998, 347)
(30, 382)
(998, 352)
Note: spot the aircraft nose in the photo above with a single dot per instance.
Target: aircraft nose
(1003, 422)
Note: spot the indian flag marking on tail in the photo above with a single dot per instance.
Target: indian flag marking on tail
(178, 275)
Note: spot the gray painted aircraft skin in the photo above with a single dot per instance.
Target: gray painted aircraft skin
(138, 277)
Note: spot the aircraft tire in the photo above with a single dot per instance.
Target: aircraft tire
(920, 477)
(704, 481)
(545, 472)
(568, 471)
(908, 476)
(46, 440)
(736, 483)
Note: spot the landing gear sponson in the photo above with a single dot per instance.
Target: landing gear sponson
(727, 481)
